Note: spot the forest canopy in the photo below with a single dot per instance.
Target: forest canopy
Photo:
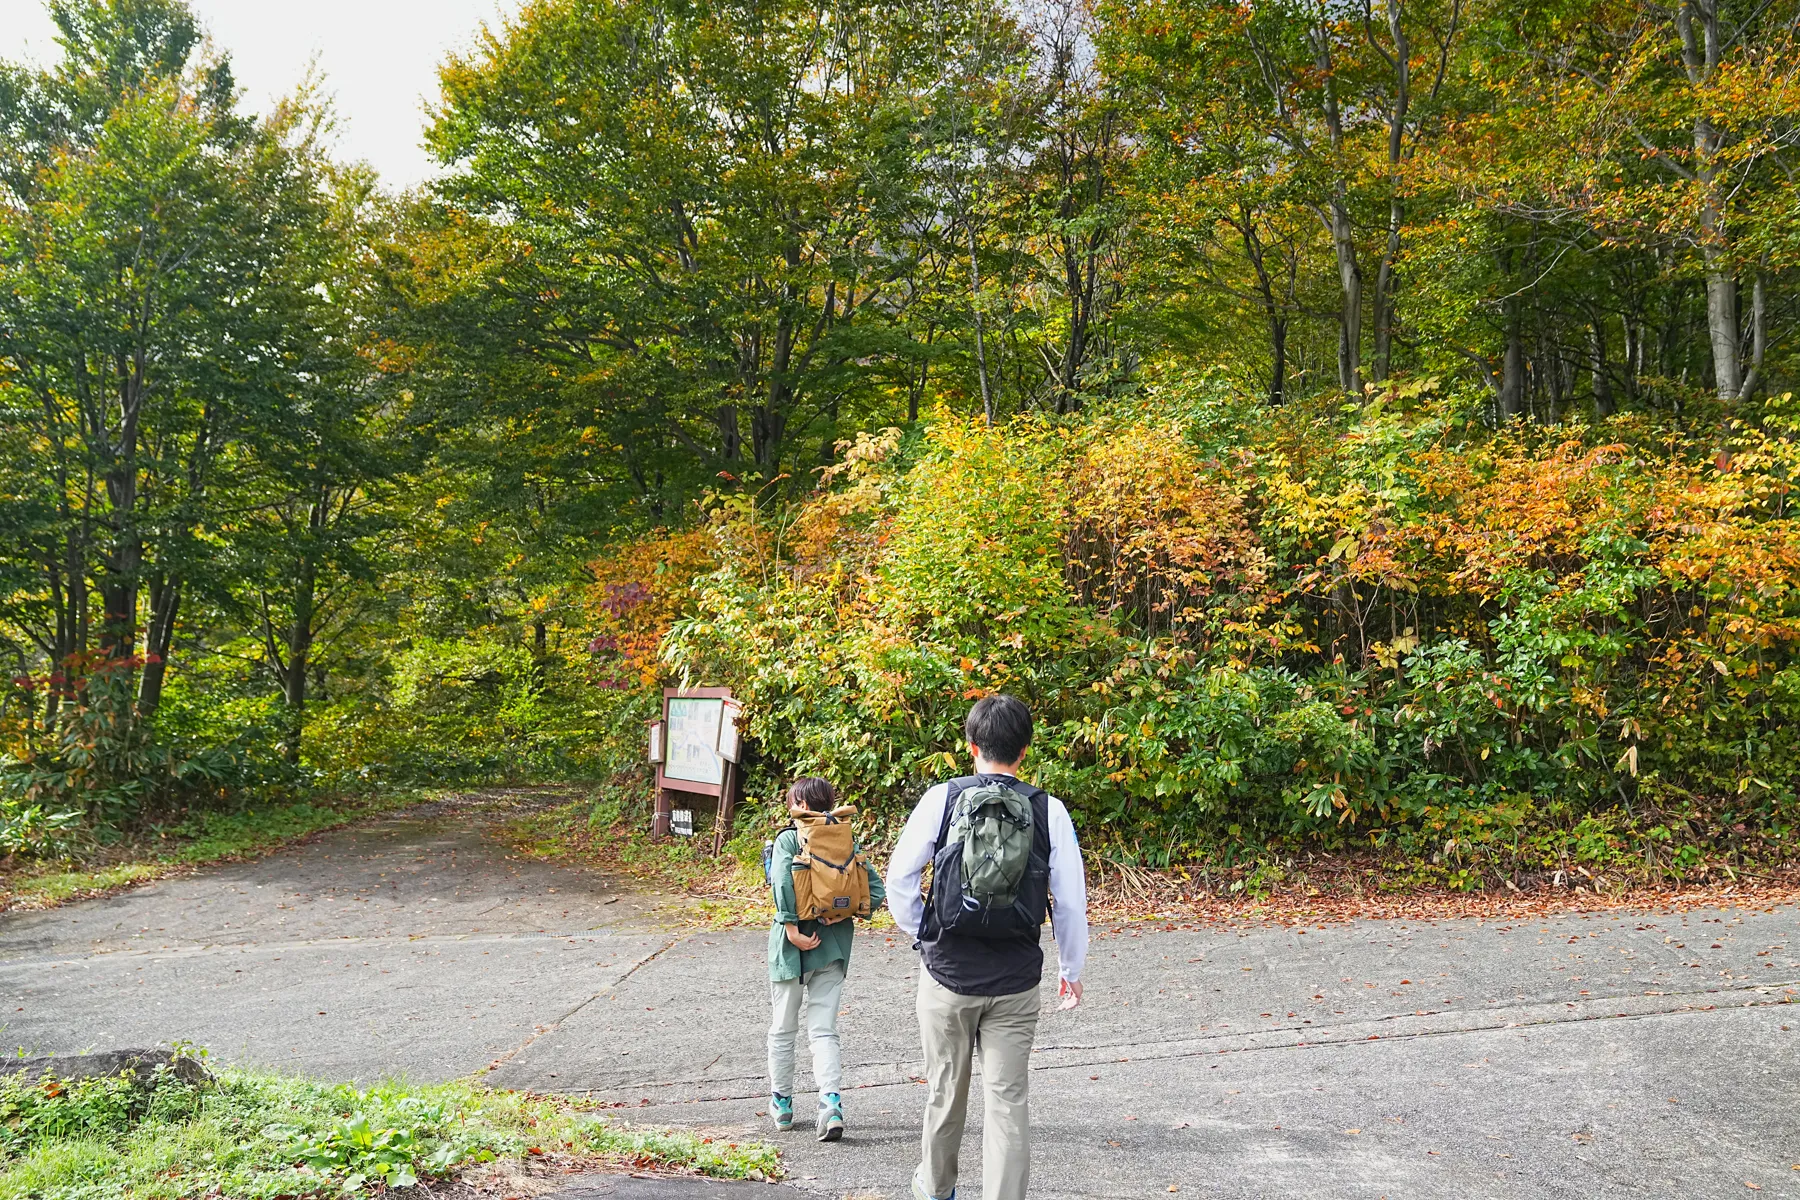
(1349, 425)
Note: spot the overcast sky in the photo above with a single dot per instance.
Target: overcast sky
(379, 58)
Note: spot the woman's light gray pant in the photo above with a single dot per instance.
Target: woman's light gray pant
(823, 989)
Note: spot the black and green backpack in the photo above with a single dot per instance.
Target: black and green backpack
(990, 877)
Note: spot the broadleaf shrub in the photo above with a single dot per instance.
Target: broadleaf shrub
(1381, 625)
(97, 764)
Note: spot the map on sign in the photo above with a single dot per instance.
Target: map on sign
(692, 752)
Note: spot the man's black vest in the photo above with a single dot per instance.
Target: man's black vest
(979, 966)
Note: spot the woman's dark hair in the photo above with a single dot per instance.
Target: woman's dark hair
(809, 791)
(1001, 726)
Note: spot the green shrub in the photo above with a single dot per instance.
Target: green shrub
(1377, 626)
(259, 1135)
(100, 765)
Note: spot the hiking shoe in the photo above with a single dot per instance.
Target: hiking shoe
(919, 1192)
(782, 1109)
(831, 1117)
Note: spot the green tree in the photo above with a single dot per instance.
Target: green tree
(678, 223)
(1672, 129)
(1306, 104)
(306, 547)
(156, 312)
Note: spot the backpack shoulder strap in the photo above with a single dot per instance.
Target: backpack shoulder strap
(952, 790)
(1030, 791)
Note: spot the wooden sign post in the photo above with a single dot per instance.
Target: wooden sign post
(689, 737)
(658, 735)
(731, 745)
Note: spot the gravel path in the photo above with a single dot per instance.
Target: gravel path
(1572, 1056)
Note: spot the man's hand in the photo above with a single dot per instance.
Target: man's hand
(805, 941)
(1070, 991)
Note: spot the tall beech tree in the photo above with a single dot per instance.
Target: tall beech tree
(1679, 134)
(157, 294)
(1329, 98)
(690, 218)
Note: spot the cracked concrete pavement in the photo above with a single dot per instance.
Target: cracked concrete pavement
(1573, 1056)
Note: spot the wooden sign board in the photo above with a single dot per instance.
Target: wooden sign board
(695, 747)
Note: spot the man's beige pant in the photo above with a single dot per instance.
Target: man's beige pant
(1006, 1026)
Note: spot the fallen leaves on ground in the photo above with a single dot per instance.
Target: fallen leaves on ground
(1326, 890)
(1343, 893)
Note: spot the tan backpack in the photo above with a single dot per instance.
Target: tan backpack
(831, 882)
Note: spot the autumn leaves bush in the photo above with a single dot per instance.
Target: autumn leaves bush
(1249, 631)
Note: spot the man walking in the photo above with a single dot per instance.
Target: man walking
(999, 849)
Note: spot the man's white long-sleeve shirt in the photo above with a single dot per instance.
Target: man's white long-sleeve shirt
(918, 845)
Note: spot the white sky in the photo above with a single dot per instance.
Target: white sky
(379, 59)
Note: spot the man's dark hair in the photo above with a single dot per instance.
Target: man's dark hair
(809, 791)
(1001, 726)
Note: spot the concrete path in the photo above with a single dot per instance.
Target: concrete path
(1572, 1056)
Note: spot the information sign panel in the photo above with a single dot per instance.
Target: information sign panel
(692, 754)
(695, 755)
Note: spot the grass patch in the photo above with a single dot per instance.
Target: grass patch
(197, 839)
(258, 1135)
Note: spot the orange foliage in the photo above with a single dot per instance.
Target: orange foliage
(844, 526)
(639, 591)
(1529, 511)
(1155, 535)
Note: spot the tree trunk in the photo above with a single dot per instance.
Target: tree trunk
(1384, 295)
(1337, 222)
(981, 367)
(1759, 337)
(1384, 274)
(1257, 253)
(1278, 371)
(540, 651)
(124, 557)
(122, 561)
(915, 389)
(731, 438)
(159, 636)
(1343, 240)
(1701, 50)
(1512, 367)
(768, 420)
(299, 651)
(1721, 319)
(1634, 357)
(1603, 394)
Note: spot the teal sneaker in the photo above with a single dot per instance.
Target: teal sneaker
(831, 1117)
(919, 1192)
(782, 1109)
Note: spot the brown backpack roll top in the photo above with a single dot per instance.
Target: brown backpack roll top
(831, 881)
